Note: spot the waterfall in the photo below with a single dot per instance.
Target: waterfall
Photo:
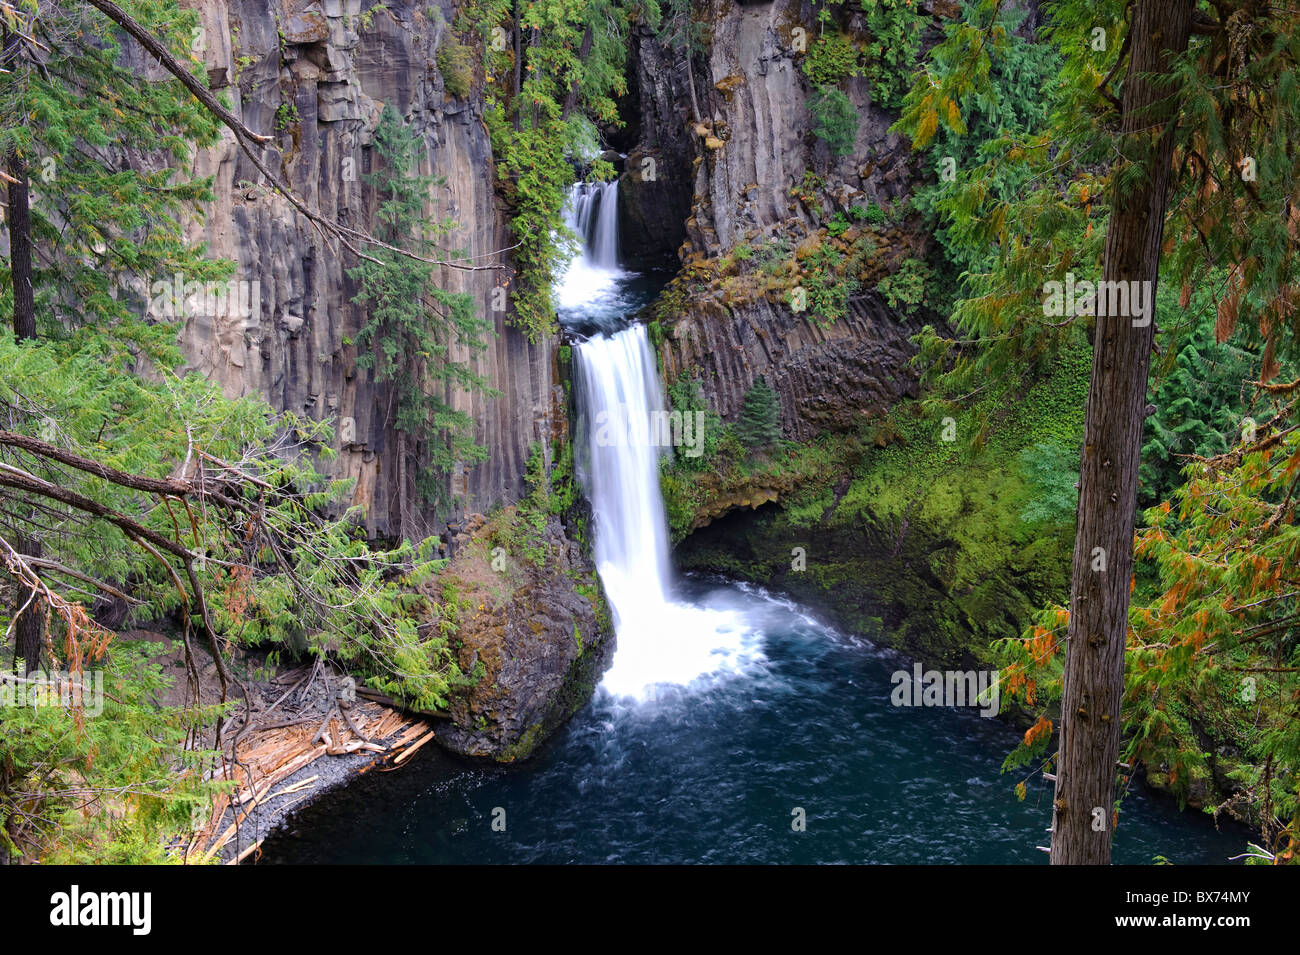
(593, 215)
(661, 641)
(621, 399)
(592, 279)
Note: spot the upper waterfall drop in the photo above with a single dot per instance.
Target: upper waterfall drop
(594, 217)
(593, 275)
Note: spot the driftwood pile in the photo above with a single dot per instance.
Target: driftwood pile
(269, 754)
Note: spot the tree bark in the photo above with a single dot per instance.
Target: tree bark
(20, 228)
(690, 70)
(29, 625)
(1108, 476)
(532, 42)
(20, 251)
(575, 88)
(403, 489)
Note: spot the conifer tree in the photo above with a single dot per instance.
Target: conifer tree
(88, 236)
(413, 326)
(760, 416)
(145, 487)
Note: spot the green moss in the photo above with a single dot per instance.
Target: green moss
(590, 589)
(523, 747)
(920, 542)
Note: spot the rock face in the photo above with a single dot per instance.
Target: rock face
(885, 576)
(316, 75)
(655, 188)
(737, 172)
(826, 378)
(757, 107)
(754, 141)
(538, 642)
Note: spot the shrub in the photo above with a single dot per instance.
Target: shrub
(895, 27)
(456, 64)
(771, 258)
(831, 58)
(905, 289)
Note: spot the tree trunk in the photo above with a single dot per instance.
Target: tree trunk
(1108, 477)
(403, 492)
(584, 52)
(29, 626)
(690, 71)
(20, 229)
(20, 251)
(532, 42)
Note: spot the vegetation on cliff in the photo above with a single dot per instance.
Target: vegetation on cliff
(1182, 185)
(135, 491)
(414, 328)
(551, 70)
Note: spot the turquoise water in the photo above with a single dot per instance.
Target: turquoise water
(713, 772)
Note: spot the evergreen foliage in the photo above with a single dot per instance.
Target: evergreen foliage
(831, 57)
(760, 416)
(105, 233)
(1040, 202)
(144, 487)
(561, 70)
(413, 327)
(895, 28)
(1200, 403)
(835, 121)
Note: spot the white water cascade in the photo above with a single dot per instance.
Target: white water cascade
(660, 641)
(594, 212)
(593, 275)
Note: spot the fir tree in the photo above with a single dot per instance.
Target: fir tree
(1148, 168)
(87, 237)
(413, 325)
(143, 488)
(835, 119)
(760, 416)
